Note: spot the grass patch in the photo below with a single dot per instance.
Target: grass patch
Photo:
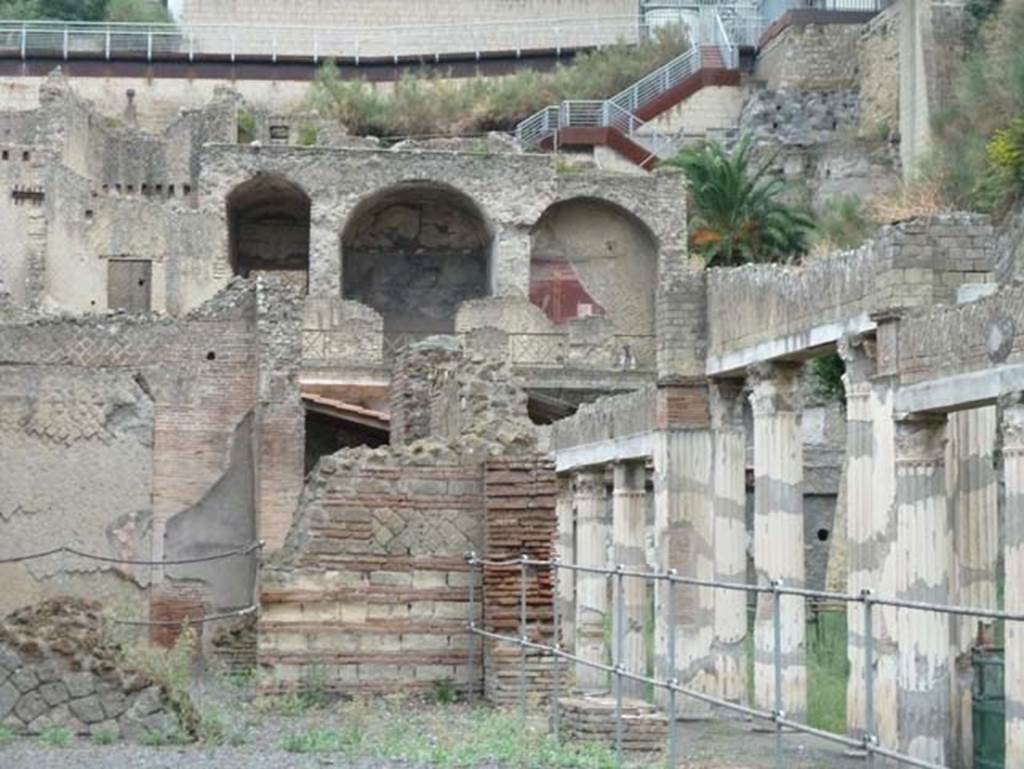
(57, 737)
(159, 739)
(6, 734)
(318, 741)
(104, 737)
(828, 671)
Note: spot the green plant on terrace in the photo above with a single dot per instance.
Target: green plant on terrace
(737, 208)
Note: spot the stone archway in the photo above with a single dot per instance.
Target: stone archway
(268, 226)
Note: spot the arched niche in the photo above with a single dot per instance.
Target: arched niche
(415, 252)
(268, 226)
(592, 257)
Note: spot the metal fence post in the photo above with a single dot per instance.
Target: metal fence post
(673, 682)
(24, 40)
(471, 624)
(556, 674)
(870, 740)
(617, 598)
(65, 43)
(777, 665)
(522, 637)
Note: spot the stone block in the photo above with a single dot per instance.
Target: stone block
(114, 703)
(88, 709)
(80, 684)
(30, 707)
(8, 699)
(54, 693)
(48, 671)
(25, 679)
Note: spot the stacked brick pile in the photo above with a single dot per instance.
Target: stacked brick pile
(520, 519)
(592, 719)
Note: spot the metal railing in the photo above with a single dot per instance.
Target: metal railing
(869, 743)
(772, 10)
(27, 39)
(619, 111)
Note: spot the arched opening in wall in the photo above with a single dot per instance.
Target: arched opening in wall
(415, 252)
(592, 258)
(268, 226)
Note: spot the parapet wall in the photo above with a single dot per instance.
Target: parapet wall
(760, 312)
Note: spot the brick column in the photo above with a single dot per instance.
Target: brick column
(973, 495)
(730, 491)
(566, 514)
(591, 589)
(1012, 418)
(925, 547)
(629, 527)
(779, 532)
(684, 532)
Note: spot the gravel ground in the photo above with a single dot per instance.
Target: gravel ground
(400, 728)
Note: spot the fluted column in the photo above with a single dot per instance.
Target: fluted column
(730, 540)
(1012, 417)
(566, 514)
(871, 534)
(779, 532)
(973, 494)
(684, 533)
(591, 589)
(925, 546)
(629, 518)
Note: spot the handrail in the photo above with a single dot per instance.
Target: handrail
(620, 111)
(44, 37)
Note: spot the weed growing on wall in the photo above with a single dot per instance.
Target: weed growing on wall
(980, 133)
(425, 104)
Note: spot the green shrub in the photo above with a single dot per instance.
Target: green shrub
(987, 103)
(246, 126)
(308, 135)
(427, 103)
(136, 10)
(443, 691)
(827, 375)
(57, 737)
(844, 224)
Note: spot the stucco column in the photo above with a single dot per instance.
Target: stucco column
(591, 589)
(684, 533)
(730, 540)
(566, 513)
(973, 494)
(871, 533)
(629, 514)
(925, 546)
(510, 261)
(779, 532)
(1012, 417)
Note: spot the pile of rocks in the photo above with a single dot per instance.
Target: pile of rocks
(592, 719)
(56, 670)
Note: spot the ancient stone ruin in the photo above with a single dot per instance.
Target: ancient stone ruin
(469, 412)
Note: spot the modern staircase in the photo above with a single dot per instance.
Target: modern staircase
(622, 122)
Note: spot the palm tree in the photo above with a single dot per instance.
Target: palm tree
(737, 213)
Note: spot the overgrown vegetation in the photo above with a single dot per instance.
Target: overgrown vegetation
(827, 375)
(104, 737)
(978, 159)
(172, 669)
(434, 104)
(828, 670)
(440, 738)
(84, 10)
(843, 224)
(737, 209)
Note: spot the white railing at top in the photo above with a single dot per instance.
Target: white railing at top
(27, 39)
(619, 112)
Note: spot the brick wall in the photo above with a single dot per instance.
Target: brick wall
(810, 56)
(371, 590)
(910, 264)
(520, 520)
